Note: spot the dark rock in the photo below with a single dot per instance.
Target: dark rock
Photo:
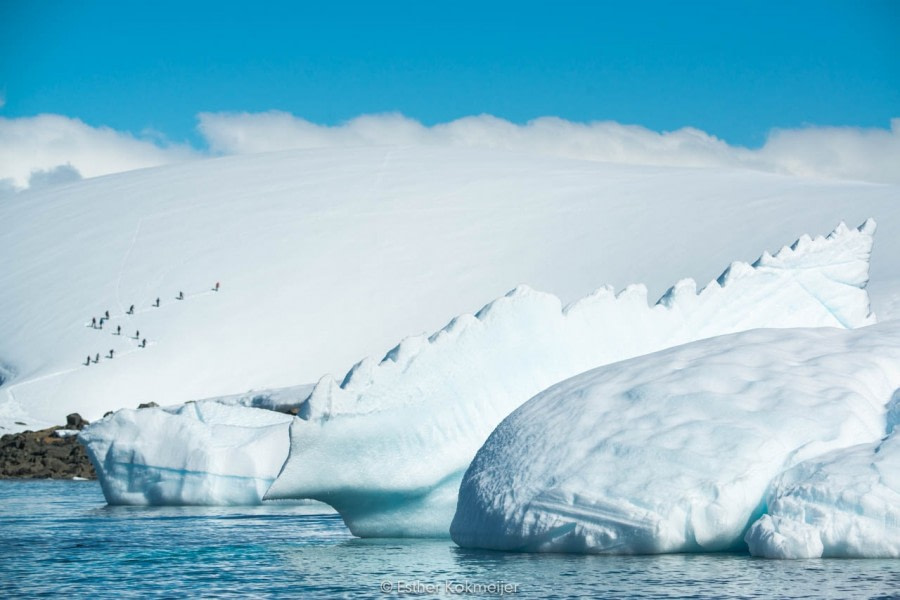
(74, 421)
(41, 454)
(107, 413)
(55, 466)
(148, 405)
(58, 450)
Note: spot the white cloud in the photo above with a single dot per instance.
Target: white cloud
(842, 152)
(51, 149)
(40, 146)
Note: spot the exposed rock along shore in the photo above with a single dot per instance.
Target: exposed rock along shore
(52, 453)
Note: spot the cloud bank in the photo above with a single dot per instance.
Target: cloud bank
(52, 149)
(245, 133)
(835, 152)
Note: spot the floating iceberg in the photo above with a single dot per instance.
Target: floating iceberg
(845, 503)
(199, 453)
(674, 452)
(388, 446)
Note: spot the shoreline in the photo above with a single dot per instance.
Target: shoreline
(50, 453)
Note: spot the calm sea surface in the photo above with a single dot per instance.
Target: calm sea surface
(58, 538)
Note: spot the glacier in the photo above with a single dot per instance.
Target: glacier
(675, 451)
(200, 453)
(388, 446)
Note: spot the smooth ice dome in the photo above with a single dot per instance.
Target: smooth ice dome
(329, 255)
(200, 453)
(675, 451)
(388, 446)
(845, 503)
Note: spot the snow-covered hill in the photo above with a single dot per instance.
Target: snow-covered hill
(325, 256)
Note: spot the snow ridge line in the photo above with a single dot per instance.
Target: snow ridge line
(682, 296)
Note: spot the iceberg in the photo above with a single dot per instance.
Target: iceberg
(675, 451)
(202, 453)
(845, 503)
(387, 447)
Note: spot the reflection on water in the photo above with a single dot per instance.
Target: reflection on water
(59, 538)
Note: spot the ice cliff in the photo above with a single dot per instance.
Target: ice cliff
(199, 453)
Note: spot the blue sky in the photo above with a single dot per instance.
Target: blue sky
(733, 69)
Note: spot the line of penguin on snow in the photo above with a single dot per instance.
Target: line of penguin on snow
(98, 324)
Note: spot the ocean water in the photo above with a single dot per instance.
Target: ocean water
(58, 538)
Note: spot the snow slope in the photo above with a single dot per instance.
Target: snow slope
(674, 451)
(199, 453)
(328, 255)
(388, 446)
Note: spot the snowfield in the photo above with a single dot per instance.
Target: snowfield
(328, 255)
(675, 452)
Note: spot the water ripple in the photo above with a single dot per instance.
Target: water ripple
(59, 538)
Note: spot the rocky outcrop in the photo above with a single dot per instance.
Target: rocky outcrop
(52, 453)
